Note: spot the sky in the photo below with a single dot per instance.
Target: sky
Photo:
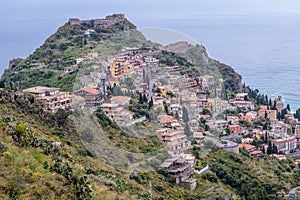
(26, 24)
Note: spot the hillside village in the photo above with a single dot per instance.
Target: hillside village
(190, 109)
(221, 138)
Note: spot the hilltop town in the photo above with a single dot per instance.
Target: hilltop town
(99, 112)
(136, 87)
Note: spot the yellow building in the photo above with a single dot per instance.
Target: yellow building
(119, 67)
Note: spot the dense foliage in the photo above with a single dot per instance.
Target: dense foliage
(251, 177)
(123, 140)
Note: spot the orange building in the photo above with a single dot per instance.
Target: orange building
(246, 119)
(119, 67)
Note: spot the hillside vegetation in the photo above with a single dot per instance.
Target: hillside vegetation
(197, 56)
(44, 65)
(43, 156)
(83, 154)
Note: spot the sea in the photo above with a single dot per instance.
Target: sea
(263, 48)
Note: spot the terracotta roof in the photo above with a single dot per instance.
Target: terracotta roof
(278, 155)
(247, 146)
(165, 119)
(120, 99)
(256, 152)
(113, 79)
(90, 89)
(234, 126)
(246, 118)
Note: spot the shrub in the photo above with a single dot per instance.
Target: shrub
(159, 188)
(210, 176)
(21, 128)
(3, 147)
(7, 155)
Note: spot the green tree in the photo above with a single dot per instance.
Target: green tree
(269, 149)
(275, 105)
(141, 98)
(117, 91)
(2, 85)
(176, 116)
(145, 99)
(275, 150)
(263, 150)
(227, 130)
(3, 147)
(283, 113)
(166, 107)
(185, 114)
(206, 127)
(20, 129)
(150, 105)
(278, 115)
(288, 107)
(296, 115)
(187, 130)
(206, 111)
(61, 116)
(266, 138)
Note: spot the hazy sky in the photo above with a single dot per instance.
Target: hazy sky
(26, 24)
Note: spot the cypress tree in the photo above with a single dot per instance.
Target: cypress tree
(145, 99)
(288, 107)
(166, 107)
(2, 84)
(187, 130)
(269, 150)
(266, 138)
(275, 104)
(185, 115)
(140, 98)
(150, 105)
(278, 115)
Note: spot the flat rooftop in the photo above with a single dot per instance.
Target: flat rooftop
(40, 89)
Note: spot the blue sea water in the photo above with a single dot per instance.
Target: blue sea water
(263, 48)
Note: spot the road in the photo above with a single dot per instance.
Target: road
(293, 191)
(218, 143)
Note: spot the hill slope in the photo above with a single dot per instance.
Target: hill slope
(43, 67)
(197, 55)
(44, 156)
